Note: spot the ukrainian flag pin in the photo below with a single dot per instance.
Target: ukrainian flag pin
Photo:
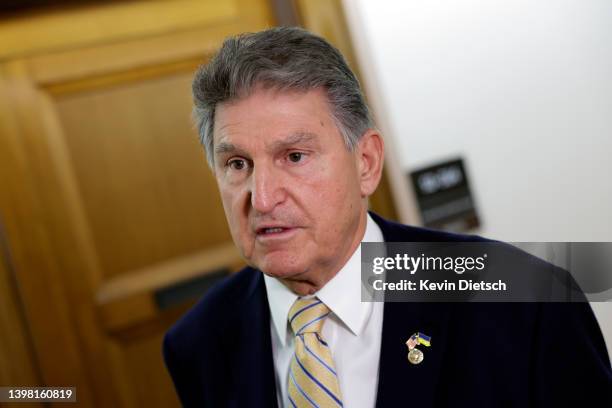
(416, 356)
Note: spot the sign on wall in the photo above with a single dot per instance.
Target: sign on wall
(444, 196)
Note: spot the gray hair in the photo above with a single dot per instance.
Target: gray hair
(285, 58)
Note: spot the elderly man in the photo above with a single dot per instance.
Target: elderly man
(295, 153)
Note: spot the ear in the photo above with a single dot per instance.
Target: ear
(370, 157)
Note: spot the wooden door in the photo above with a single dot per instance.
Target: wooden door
(113, 219)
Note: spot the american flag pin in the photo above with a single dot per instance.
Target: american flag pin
(412, 342)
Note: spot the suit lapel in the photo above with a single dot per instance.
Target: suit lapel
(398, 379)
(254, 367)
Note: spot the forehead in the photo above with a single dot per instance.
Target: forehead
(267, 115)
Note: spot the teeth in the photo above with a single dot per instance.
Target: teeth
(272, 230)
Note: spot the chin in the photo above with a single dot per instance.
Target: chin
(281, 267)
(279, 272)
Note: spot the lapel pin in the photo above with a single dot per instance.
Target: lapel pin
(416, 356)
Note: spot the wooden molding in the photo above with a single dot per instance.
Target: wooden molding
(75, 27)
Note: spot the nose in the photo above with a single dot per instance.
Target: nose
(266, 189)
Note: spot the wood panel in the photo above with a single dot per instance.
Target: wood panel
(146, 194)
(34, 258)
(17, 363)
(52, 29)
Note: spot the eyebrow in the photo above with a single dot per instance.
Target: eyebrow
(225, 147)
(293, 139)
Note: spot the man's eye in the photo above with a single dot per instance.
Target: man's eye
(236, 164)
(296, 157)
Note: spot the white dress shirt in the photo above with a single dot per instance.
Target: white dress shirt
(353, 330)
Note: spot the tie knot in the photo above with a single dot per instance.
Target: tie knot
(307, 316)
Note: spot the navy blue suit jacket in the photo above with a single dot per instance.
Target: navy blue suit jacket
(483, 354)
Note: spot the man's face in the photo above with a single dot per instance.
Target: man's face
(292, 192)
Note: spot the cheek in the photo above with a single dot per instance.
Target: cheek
(232, 206)
(227, 201)
(341, 190)
(333, 200)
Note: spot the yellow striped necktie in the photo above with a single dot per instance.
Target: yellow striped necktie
(312, 381)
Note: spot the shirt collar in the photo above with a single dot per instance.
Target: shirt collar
(342, 294)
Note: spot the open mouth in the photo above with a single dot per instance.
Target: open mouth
(272, 230)
(275, 231)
